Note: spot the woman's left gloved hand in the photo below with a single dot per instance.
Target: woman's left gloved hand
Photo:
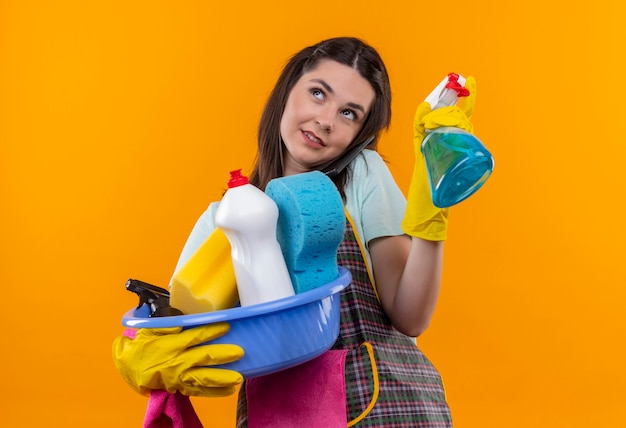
(422, 219)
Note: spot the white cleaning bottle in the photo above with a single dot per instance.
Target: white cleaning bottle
(249, 219)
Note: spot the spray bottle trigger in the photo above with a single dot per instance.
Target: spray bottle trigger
(435, 96)
(157, 298)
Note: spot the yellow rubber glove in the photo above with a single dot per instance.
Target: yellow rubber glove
(422, 219)
(166, 359)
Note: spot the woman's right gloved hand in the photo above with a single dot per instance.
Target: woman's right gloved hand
(167, 359)
(422, 218)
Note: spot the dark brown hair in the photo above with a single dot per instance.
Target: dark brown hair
(349, 51)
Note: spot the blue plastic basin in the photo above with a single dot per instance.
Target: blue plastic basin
(275, 335)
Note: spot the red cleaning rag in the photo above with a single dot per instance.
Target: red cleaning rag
(312, 394)
(167, 410)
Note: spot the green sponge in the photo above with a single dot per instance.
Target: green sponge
(311, 225)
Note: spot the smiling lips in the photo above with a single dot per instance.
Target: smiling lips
(313, 139)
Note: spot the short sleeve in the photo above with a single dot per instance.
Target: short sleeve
(373, 199)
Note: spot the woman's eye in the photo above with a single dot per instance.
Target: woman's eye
(349, 114)
(317, 93)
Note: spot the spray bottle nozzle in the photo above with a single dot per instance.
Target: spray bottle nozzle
(451, 91)
(156, 297)
(453, 83)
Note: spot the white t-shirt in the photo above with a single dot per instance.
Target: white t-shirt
(373, 200)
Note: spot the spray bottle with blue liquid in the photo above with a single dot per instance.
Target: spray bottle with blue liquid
(458, 164)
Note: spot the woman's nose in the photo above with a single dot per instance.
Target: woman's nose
(325, 120)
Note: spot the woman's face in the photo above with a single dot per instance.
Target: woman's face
(324, 112)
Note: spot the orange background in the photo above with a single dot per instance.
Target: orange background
(119, 122)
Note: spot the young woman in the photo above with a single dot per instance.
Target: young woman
(331, 98)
